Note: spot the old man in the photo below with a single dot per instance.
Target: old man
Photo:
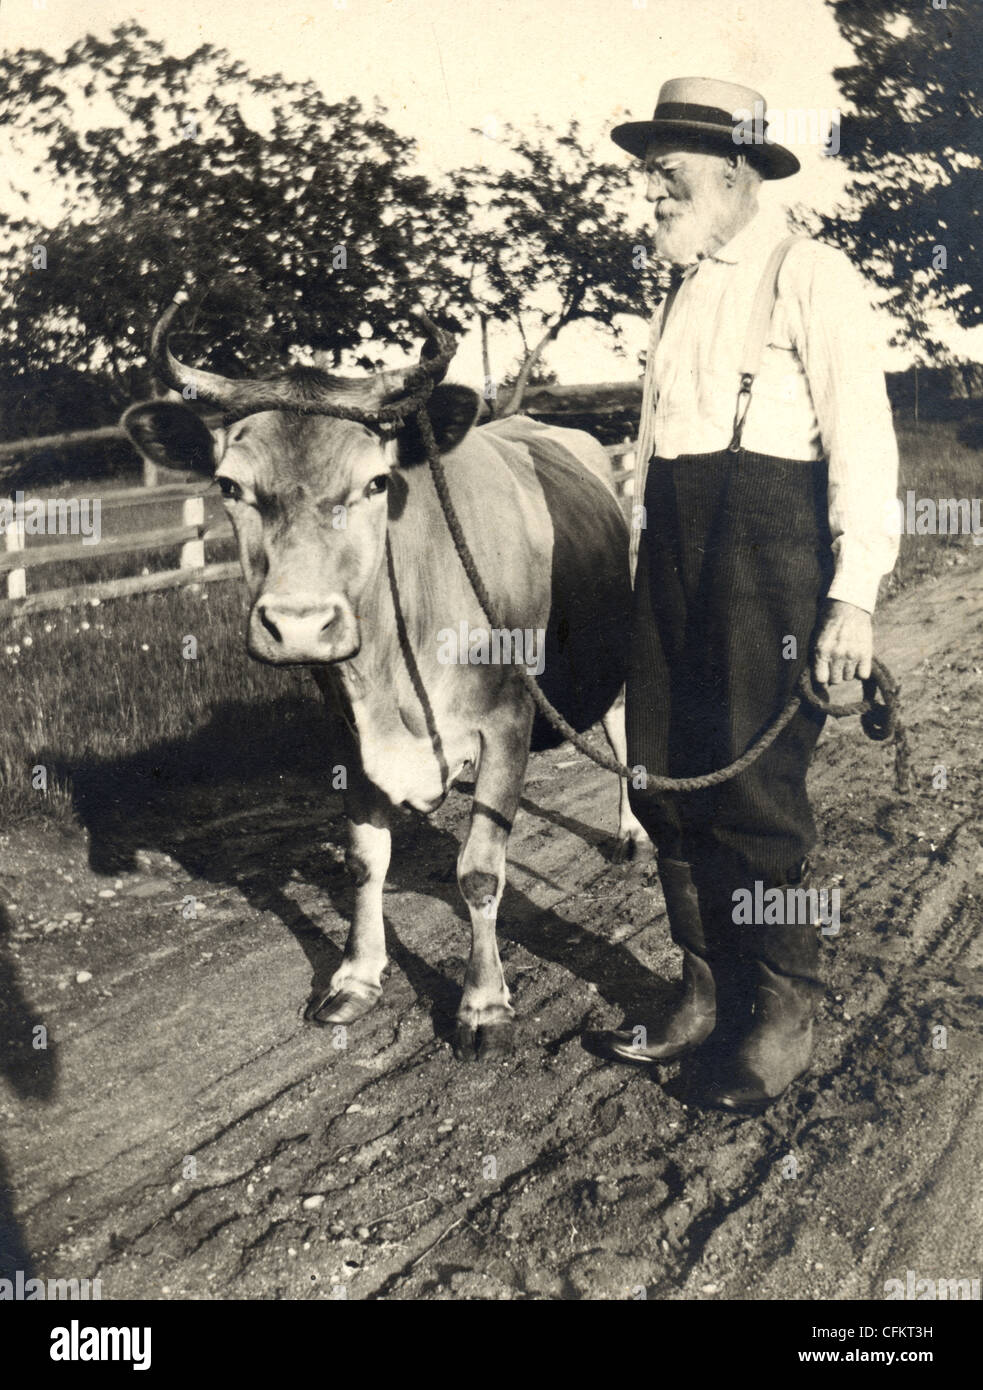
(767, 461)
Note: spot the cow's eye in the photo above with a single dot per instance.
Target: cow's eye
(377, 484)
(230, 489)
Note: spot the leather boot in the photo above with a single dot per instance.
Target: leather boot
(784, 962)
(713, 872)
(693, 1019)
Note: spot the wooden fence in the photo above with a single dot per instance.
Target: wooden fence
(622, 458)
(189, 532)
(192, 534)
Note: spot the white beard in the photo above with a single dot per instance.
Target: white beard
(680, 237)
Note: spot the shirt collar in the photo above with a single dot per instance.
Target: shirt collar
(762, 230)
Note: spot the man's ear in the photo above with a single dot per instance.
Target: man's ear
(452, 410)
(172, 435)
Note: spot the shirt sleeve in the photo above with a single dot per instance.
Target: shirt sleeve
(835, 332)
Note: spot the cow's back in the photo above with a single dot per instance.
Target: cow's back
(587, 632)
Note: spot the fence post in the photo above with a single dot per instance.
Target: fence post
(193, 552)
(626, 458)
(13, 539)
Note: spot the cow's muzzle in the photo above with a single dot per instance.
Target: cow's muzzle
(298, 630)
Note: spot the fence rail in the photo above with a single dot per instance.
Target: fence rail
(623, 477)
(191, 535)
(73, 439)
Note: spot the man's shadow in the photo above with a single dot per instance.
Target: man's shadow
(28, 1062)
(186, 798)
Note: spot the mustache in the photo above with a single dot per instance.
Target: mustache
(665, 209)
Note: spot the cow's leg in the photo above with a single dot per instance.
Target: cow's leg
(356, 986)
(485, 1016)
(633, 844)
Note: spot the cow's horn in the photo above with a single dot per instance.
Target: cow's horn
(439, 347)
(248, 397)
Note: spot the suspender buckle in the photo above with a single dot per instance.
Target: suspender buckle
(740, 413)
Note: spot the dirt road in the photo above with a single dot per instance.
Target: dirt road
(185, 1134)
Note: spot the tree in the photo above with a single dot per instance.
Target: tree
(913, 220)
(540, 374)
(299, 226)
(552, 243)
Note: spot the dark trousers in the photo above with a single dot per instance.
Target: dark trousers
(734, 562)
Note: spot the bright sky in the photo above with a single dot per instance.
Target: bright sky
(442, 67)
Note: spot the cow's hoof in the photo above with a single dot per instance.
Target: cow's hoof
(340, 1006)
(488, 1042)
(633, 852)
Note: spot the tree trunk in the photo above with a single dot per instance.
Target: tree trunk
(522, 380)
(488, 389)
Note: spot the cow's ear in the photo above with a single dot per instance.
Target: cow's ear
(172, 435)
(452, 410)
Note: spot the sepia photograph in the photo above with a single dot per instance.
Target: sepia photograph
(491, 659)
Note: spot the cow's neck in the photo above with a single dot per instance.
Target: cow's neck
(379, 682)
(413, 733)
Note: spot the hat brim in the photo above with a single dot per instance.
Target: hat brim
(773, 161)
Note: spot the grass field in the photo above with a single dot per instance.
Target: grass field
(103, 698)
(935, 463)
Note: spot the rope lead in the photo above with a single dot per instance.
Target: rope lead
(879, 719)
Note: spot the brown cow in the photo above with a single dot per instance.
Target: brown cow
(352, 572)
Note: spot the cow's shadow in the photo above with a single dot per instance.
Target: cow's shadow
(189, 799)
(28, 1063)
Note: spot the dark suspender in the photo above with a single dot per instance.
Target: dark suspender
(754, 345)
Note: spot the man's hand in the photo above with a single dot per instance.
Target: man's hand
(844, 644)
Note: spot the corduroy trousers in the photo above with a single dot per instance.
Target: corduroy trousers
(735, 560)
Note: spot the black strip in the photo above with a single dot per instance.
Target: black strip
(686, 111)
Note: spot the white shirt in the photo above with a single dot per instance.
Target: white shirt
(819, 391)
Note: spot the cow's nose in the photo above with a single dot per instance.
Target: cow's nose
(287, 629)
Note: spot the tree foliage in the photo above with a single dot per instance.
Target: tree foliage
(914, 144)
(298, 225)
(552, 242)
(295, 223)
